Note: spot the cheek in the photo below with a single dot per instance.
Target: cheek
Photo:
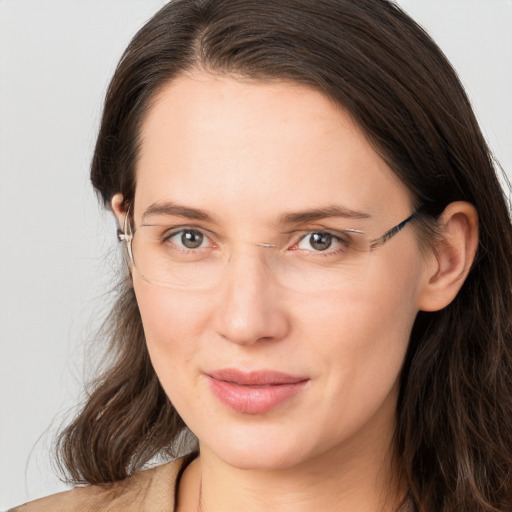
(172, 325)
(360, 340)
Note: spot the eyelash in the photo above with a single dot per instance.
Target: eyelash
(343, 242)
(166, 239)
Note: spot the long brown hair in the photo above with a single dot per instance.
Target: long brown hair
(453, 438)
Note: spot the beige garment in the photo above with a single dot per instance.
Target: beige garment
(152, 490)
(146, 491)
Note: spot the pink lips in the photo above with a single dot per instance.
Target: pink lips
(254, 392)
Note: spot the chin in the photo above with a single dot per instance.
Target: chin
(259, 460)
(259, 449)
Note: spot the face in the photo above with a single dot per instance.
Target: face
(270, 374)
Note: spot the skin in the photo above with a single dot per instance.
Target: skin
(247, 153)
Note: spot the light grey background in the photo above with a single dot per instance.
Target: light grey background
(57, 248)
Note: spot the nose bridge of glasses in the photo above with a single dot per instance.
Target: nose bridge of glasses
(249, 266)
(253, 251)
(266, 245)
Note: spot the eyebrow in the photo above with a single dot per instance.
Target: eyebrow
(176, 210)
(322, 213)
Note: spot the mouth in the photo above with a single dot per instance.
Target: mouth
(254, 392)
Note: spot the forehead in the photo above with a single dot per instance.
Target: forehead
(255, 149)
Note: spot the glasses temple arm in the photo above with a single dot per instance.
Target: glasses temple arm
(391, 232)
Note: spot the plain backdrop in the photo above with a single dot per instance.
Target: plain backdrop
(58, 249)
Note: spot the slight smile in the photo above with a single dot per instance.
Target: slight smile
(254, 392)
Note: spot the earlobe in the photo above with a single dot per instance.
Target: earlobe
(452, 257)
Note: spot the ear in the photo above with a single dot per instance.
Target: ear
(116, 205)
(452, 257)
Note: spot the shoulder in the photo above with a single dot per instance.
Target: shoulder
(149, 490)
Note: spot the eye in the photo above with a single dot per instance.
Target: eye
(319, 241)
(188, 239)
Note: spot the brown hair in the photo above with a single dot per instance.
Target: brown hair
(452, 437)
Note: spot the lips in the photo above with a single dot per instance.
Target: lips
(254, 392)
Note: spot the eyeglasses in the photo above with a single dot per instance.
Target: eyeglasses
(190, 258)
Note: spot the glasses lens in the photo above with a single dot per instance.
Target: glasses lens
(186, 260)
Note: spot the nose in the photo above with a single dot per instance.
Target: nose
(250, 305)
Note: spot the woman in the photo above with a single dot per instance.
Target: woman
(319, 284)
